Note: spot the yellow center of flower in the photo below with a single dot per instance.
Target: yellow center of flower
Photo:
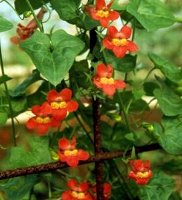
(78, 195)
(58, 104)
(102, 13)
(71, 152)
(142, 174)
(43, 120)
(105, 80)
(119, 41)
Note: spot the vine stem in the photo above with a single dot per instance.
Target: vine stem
(59, 165)
(9, 100)
(34, 15)
(97, 146)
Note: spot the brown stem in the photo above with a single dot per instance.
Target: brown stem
(59, 165)
(97, 146)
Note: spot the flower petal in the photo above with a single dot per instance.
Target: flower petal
(107, 43)
(83, 155)
(132, 47)
(36, 109)
(112, 31)
(104, 22)
(66, 195)
(63, 143)
(72, 161)
(72, 184)
(66, 94)
(31, 123)
(45, 109)
(103, 70)
(72, 106)
(113, 15)
(52, 95)
(109, 89)
(120, 52)
(83, 187)
(100, 4)
(126, 30)
(119, 84)
(41, 129)
(59, 114)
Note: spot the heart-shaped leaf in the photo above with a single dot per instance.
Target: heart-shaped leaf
(53, 55)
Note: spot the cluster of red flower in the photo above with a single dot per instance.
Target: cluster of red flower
(52, 112)
(117, 41)
(84, 191)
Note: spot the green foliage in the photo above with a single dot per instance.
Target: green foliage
(152, 14)
(4, 78)
(37, 152)
(17, 188)
(5, 25)
(160, 187)
(169, 102)
(3, 118)
(22, 7)
(52, 55)
(125, 64)
(169, 135)
(170, 71)
(69, 11)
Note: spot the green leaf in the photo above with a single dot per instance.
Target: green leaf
(174, 165)
(152, 14)
(149, 88)
(21, 5)
(3, 118)
(160, 187)
(169, 102)
(4, 78)
(19, 105)
(20, 89)
(171, 71)
(38, 153)
(5, 25)
(169, 135)
(68, 10)
(53, 56)
(125, 64)
(17, 188)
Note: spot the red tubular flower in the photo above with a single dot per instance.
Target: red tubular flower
(102, 12)
(61, 103)
(140, 172)
(77, 191)
(25, 32)
(103, 80)
(68, 152)
(118, 42)
(42, 120)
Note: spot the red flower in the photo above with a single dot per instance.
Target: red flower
(42, 120)
(107, 191)
(25, 32)
(77, 191)
(103, 80)
(61, 103)
(140, 172)
(118, 41)
(69, 154)
(102, 12)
